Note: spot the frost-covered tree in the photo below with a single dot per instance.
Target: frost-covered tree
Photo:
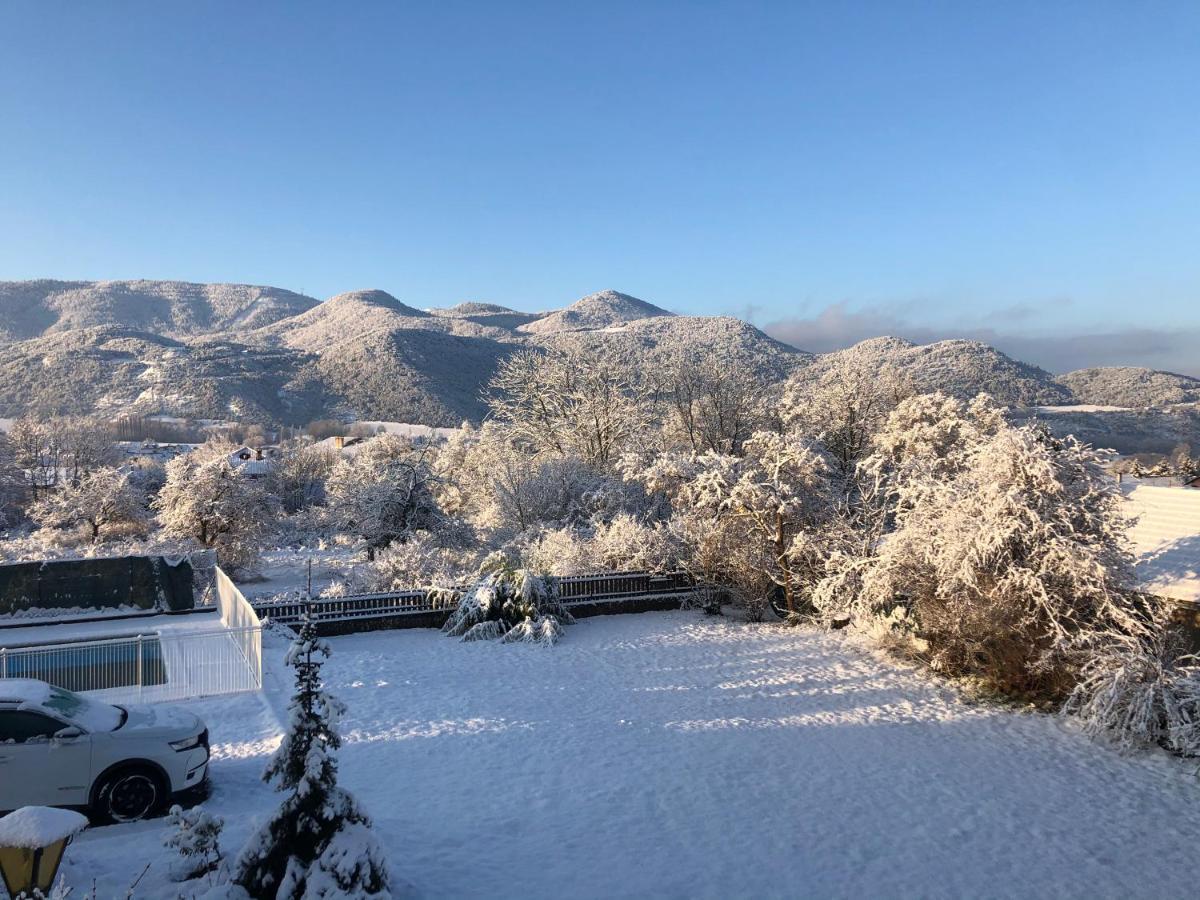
(710, 405)
(843, 409)
(498, 484)
(208, 500)
(510, 604)
(195, 835)
(298, 475)
(384, 492)
(760, 524)
(58, 451)
(568, 401)
(318, 843)
(1007, 569)
(99, 505)
(623, 543)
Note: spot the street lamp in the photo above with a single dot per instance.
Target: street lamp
(32, 841)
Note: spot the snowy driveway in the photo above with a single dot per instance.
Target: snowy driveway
(672, 755)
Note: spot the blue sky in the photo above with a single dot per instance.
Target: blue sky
(1024, 173)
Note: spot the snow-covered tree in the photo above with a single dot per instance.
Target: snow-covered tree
(208, 500)
(710, 405)
(510, 604)
(759, 524)
(843, 409)
(58, 451)
(1008, 568)
(100, 505)
(298, 475)
(568, 401)
(318, 843)
(195, 835)
(383, 493)
(623, 543)
(495, 482)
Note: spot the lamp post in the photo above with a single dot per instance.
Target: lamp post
(32, 842)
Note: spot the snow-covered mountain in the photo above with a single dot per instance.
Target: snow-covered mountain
(960, 368)
(601, 310)
(1130, 386)
(263, 354)
(30, 309)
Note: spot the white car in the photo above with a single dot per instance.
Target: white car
(121, 763)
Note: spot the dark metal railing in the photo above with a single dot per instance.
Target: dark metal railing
(573, 590)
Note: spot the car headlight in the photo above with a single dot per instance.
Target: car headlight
(186, 743)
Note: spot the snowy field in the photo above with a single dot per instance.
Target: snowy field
(673, 755)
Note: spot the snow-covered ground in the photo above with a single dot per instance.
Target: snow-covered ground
(285, 569)
(674, 755)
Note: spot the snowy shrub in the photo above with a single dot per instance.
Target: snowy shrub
(510, 604)
(623, 544)
(1006, 567)
(444, 560)
(195, 836)
(318, 843)
(1142, 689)
(569, 401)
(760, 525)
(842, 407)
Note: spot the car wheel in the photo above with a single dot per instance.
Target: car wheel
(129, 795)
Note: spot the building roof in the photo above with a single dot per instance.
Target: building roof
(1166, 540)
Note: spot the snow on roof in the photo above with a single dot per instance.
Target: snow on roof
(1166, 540)
(24, 690)
(32, 827)
(89, 714)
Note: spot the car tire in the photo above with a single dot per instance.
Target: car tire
(129, 794)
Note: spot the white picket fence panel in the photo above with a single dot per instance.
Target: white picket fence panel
(174, 662)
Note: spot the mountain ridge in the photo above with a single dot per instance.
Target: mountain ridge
(229, 350)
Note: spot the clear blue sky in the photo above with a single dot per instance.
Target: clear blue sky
(1003, 169)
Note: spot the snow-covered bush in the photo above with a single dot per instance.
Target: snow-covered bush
(103, 504)
(383, 493)
(510, 604)
(626, 543)
(760, 525)
(842, 407)
(196, 836)
(1005, 568)
(444, 560)
(318, 843)
(1142, 688)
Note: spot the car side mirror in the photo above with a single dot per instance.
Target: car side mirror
(68, 734)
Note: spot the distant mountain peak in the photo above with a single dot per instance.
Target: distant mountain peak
(603, 309)
(374, 297)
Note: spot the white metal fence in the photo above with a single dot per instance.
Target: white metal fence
(172, 662)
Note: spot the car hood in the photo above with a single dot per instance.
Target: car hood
(167, 720)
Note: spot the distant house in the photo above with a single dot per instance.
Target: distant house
(253, 462)
(1194, 483)
(1166, 546)
(342, 445)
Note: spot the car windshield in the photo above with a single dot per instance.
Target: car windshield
(91, 715)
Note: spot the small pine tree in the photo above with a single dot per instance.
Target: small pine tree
(318, 843)
(196, 837)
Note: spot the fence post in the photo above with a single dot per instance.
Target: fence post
(138, 645)
(3, 662)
